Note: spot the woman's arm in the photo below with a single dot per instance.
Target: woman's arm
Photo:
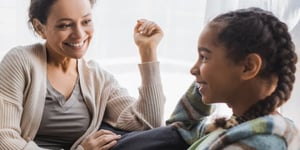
(147, 111)
(128, 113)
(12, 86)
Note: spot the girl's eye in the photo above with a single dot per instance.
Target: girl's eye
(203, 59)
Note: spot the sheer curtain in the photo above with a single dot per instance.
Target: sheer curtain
(182, 21)
(116, 51)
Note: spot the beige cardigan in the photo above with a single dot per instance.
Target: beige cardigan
(23, 89)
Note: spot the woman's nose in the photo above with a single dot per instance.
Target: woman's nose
(78, 32)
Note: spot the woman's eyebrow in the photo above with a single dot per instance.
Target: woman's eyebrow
(69, 19)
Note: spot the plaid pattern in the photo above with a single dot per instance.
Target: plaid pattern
(190, 114)
(264, 133)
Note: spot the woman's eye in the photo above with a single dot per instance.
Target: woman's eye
(64, 26)
(87, 22)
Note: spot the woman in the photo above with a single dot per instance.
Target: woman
(246, 59)
(52, 98)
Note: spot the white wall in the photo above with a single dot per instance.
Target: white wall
(114, 48)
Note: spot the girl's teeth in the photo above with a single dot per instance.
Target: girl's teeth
(197, 84)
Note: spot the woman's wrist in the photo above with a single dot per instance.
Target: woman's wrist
(148, 55)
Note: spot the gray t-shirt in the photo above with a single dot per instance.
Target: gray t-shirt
(64, 121)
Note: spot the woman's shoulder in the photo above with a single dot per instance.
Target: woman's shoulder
(25, 56)
(26, 50)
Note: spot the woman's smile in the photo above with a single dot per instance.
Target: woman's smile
(77, 45)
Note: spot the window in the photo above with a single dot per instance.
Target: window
(182, 21)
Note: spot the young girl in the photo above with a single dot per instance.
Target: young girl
(246, 59)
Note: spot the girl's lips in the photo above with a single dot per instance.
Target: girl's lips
(201, 90)
(201, 87)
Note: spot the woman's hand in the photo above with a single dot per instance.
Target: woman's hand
(100, 140)
(147, 36)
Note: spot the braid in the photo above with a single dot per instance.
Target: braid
(284, 62)
(254, 30)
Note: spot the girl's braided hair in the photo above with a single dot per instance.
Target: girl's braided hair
(254, 30)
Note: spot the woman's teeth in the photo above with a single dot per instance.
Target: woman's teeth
(76, 44)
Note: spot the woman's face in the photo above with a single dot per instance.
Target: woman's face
(69, 28)
(217, 75)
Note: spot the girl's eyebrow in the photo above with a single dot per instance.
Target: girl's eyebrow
(204, 49)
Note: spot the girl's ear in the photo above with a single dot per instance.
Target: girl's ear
(39, 28)
(252, 65)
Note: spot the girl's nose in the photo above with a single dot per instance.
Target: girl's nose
(195, 71)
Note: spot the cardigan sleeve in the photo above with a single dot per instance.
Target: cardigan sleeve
(12, 86)
(128, 113)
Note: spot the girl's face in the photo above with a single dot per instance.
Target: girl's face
(69, 28)
(217, 75)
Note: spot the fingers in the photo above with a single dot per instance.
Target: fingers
(102, 139)
(147, 36)
(102, 132)
(146, 27)
(107, 141)
(105, 136)
(109, 145)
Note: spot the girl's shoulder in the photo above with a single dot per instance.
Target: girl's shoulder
(270, 130)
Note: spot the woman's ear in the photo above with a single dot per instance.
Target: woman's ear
(252, 65)
(39, 28)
